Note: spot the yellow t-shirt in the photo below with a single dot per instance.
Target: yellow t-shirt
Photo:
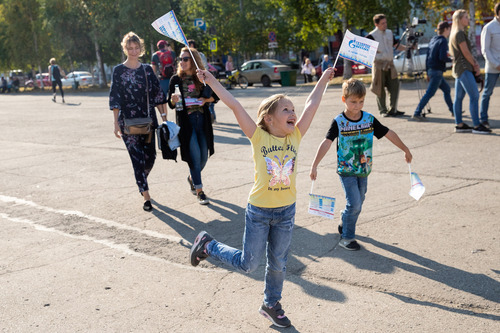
(275, 161)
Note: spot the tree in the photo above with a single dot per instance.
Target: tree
(25, 34)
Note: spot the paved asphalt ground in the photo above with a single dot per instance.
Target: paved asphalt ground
(78, 253)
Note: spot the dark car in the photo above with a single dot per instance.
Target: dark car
(219, 70)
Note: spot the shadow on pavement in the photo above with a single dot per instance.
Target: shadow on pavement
(476, 284)
(409, 300)
(231, 233)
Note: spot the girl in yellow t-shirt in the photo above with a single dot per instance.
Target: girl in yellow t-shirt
(270, 212)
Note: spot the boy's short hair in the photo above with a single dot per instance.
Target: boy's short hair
(497, 8)
(353, 87)
(377, 18)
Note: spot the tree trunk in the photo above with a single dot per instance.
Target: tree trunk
(35, 42)
(347, 63)
(472, 28)
(102, 74)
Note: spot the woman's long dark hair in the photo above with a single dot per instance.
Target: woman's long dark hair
(182, 74)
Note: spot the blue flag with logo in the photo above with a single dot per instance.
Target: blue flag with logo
(358, 49)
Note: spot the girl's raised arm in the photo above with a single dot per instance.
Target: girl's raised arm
(312, 102)
(246, 123)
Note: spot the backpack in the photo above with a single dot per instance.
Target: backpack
(166, 63)
(56, 74)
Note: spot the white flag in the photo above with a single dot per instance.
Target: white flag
(358, 49)
(168, 25)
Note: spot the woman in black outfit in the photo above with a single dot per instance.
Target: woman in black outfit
(128, 99)
(196, 133)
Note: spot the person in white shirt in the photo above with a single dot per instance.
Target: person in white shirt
(384, 74)
(490, 47)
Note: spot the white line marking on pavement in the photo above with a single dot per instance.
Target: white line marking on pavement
(108, 223)
(119, 247)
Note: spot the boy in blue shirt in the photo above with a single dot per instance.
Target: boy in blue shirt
(354, 130)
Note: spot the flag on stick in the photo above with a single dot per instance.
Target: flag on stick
(169, 26)
(417, 188)
(358, 49)
(321, 205)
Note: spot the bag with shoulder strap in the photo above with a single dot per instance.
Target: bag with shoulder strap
(142, 125)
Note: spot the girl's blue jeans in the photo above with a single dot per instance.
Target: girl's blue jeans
(355, 190)
(266, 229)
(198, 148)
(466, 83)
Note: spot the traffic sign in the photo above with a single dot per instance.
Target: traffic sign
(200, 23)
(213, 45)
(272, 45)
(272, 37)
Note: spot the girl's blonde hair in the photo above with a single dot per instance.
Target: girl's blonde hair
(268, 107)
(52, 61)
(132, 37)
(197, 57)
(455, 27)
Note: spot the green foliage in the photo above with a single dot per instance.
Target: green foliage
(23, 34)
(32, 31)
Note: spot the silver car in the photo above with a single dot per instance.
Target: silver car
(416, 63)
(263, 71)
(83, 78)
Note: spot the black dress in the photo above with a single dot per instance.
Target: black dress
(128, 94)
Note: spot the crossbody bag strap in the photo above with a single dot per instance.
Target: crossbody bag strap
(147, 89)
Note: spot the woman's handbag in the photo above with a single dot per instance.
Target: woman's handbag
(140, 125)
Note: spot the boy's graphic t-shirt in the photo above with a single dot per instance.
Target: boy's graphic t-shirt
(275, 161)
(355, 143)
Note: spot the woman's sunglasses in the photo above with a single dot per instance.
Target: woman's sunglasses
(185, 59)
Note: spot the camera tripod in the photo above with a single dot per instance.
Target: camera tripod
(414, 66)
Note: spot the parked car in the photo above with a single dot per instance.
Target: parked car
(220, 69)
(419, 57)
(23, 78)
(212, 69)
(83, 78)
(356, 68)
(45, 79)
(263, 71)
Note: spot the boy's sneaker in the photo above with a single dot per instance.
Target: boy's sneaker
(191, 185)
(349, 244)
(481, 130)
(198, 253)
(202, 198)
(486, 124)
(463, 129)
(276, 315)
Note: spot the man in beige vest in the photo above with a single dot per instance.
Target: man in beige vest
(384, 74)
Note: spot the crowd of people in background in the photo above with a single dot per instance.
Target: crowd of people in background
(140, 94)
(12, 84)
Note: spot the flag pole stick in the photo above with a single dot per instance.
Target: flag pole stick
(409, 168)
(335, 64)
(192, 56)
